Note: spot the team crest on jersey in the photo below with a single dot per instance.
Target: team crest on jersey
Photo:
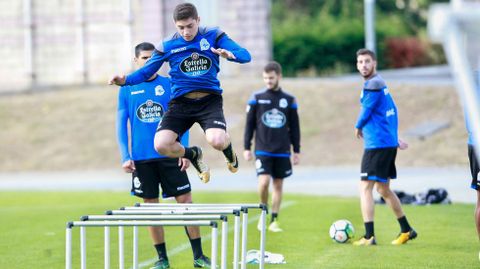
(274, 118)
(204, 45)
(195, 65)
(159, 90)
(150, 112)
(283, 103)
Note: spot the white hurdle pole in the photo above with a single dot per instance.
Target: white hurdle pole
(244, 237)
(263, 236)
(83, 248)
(107, 247)
(236, 233)
(84, 224)
(68, 247)
(121, 247)
(135, 247)
(223, 218)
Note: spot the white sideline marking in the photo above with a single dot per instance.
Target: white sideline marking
(205, 238)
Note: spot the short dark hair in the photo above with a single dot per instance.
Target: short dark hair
(185, 11)
(144, 46)
(273, 66)
(367, 52)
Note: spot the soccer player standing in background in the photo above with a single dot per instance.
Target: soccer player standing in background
(474, 164)
(193, 54)
(377, 124)
(144, 105)
(272, 116)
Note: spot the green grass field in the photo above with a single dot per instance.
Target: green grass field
(32, 233)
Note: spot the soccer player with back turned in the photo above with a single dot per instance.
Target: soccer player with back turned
(377, 124)
(193, 54)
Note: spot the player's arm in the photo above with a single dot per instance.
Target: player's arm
(369, 101)
(142, 74)
(229, 49)
(250, 127)
(294, 129)
(122, 132)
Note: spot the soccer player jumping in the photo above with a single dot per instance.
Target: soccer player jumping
(193, 53)
(377, 124)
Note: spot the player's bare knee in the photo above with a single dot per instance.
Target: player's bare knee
(184, 198)
(383, 190)
(217, 142)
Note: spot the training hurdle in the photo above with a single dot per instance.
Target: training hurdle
(203, 208)
(132, 223)
(222, 218)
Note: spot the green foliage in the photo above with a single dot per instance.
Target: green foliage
(321, 37)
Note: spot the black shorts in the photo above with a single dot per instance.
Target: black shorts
(474, 167)
(277, 167)
(379, 164)
(183, 112)
(166, 172)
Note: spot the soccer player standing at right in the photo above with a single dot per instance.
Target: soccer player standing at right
(377, 124)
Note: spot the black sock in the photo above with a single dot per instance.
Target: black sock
(196, 247)
(274, 217)
(369, 231)
(161, 250)
(228, 152)
(404, 226)
(190, 153)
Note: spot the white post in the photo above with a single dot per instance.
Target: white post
(83, 248)
(464, 78)
(68, 247)
(81, 33)
(369, 9)
(263, 237)
(236, 239)
(107, 247)
(224, 243)
(121, 247)
(213, 261)
(135, 247)
(244, 237)
(28, 39)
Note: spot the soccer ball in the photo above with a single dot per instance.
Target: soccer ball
(341, 231)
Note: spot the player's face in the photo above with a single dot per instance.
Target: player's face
(188, 28)
(271, 80)
(143, 58)
(366, 65)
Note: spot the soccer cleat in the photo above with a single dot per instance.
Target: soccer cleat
(202, 169)
(275, 227)
(202, 262)
(161, 264)
(365, 242)
(404, 237)
(232, 166)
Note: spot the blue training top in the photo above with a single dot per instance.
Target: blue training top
(194, 67)
(144, 106)
(378, 118)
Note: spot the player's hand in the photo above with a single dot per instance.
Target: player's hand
(358, 133)
(402, 144)
(184, 163)
(117, 80)
(128, 166)
(296, 158)
(224, 53)
(247, 155)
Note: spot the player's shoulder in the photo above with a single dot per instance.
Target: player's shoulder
(375, 83)
(213, 31)
(287, 94)
(168, 42)
(260, 93)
